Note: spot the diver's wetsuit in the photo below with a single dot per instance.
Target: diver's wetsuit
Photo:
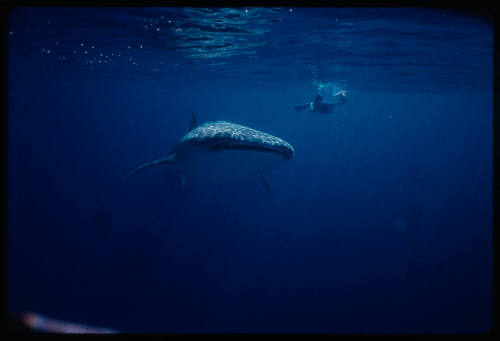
(326, 107)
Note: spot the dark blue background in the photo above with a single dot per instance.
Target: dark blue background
(381, 223)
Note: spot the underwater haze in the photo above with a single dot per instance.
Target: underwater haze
(380, 223)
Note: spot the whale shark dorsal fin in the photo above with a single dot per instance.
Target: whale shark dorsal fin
(193, 123)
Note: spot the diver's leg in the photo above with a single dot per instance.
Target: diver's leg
(301, 107)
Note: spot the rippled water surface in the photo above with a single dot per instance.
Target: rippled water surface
(415, 49)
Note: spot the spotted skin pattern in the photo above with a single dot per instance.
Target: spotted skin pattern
(223, 133)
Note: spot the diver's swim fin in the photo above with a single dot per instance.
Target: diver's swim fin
(301, 107)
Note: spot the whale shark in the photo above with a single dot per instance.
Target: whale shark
(222, 152)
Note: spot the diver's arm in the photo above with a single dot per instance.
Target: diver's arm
(339, 99)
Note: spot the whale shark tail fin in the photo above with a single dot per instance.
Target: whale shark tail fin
(168, 160)
(301, 107)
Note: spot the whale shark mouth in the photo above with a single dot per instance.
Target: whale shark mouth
(286, 153)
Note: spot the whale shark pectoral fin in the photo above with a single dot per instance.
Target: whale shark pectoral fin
(263, 181)
(193, 123)
(167, 160)
(182, 179)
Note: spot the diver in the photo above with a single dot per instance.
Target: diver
(324, 107)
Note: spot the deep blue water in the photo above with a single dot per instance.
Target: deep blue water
(380, 223)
